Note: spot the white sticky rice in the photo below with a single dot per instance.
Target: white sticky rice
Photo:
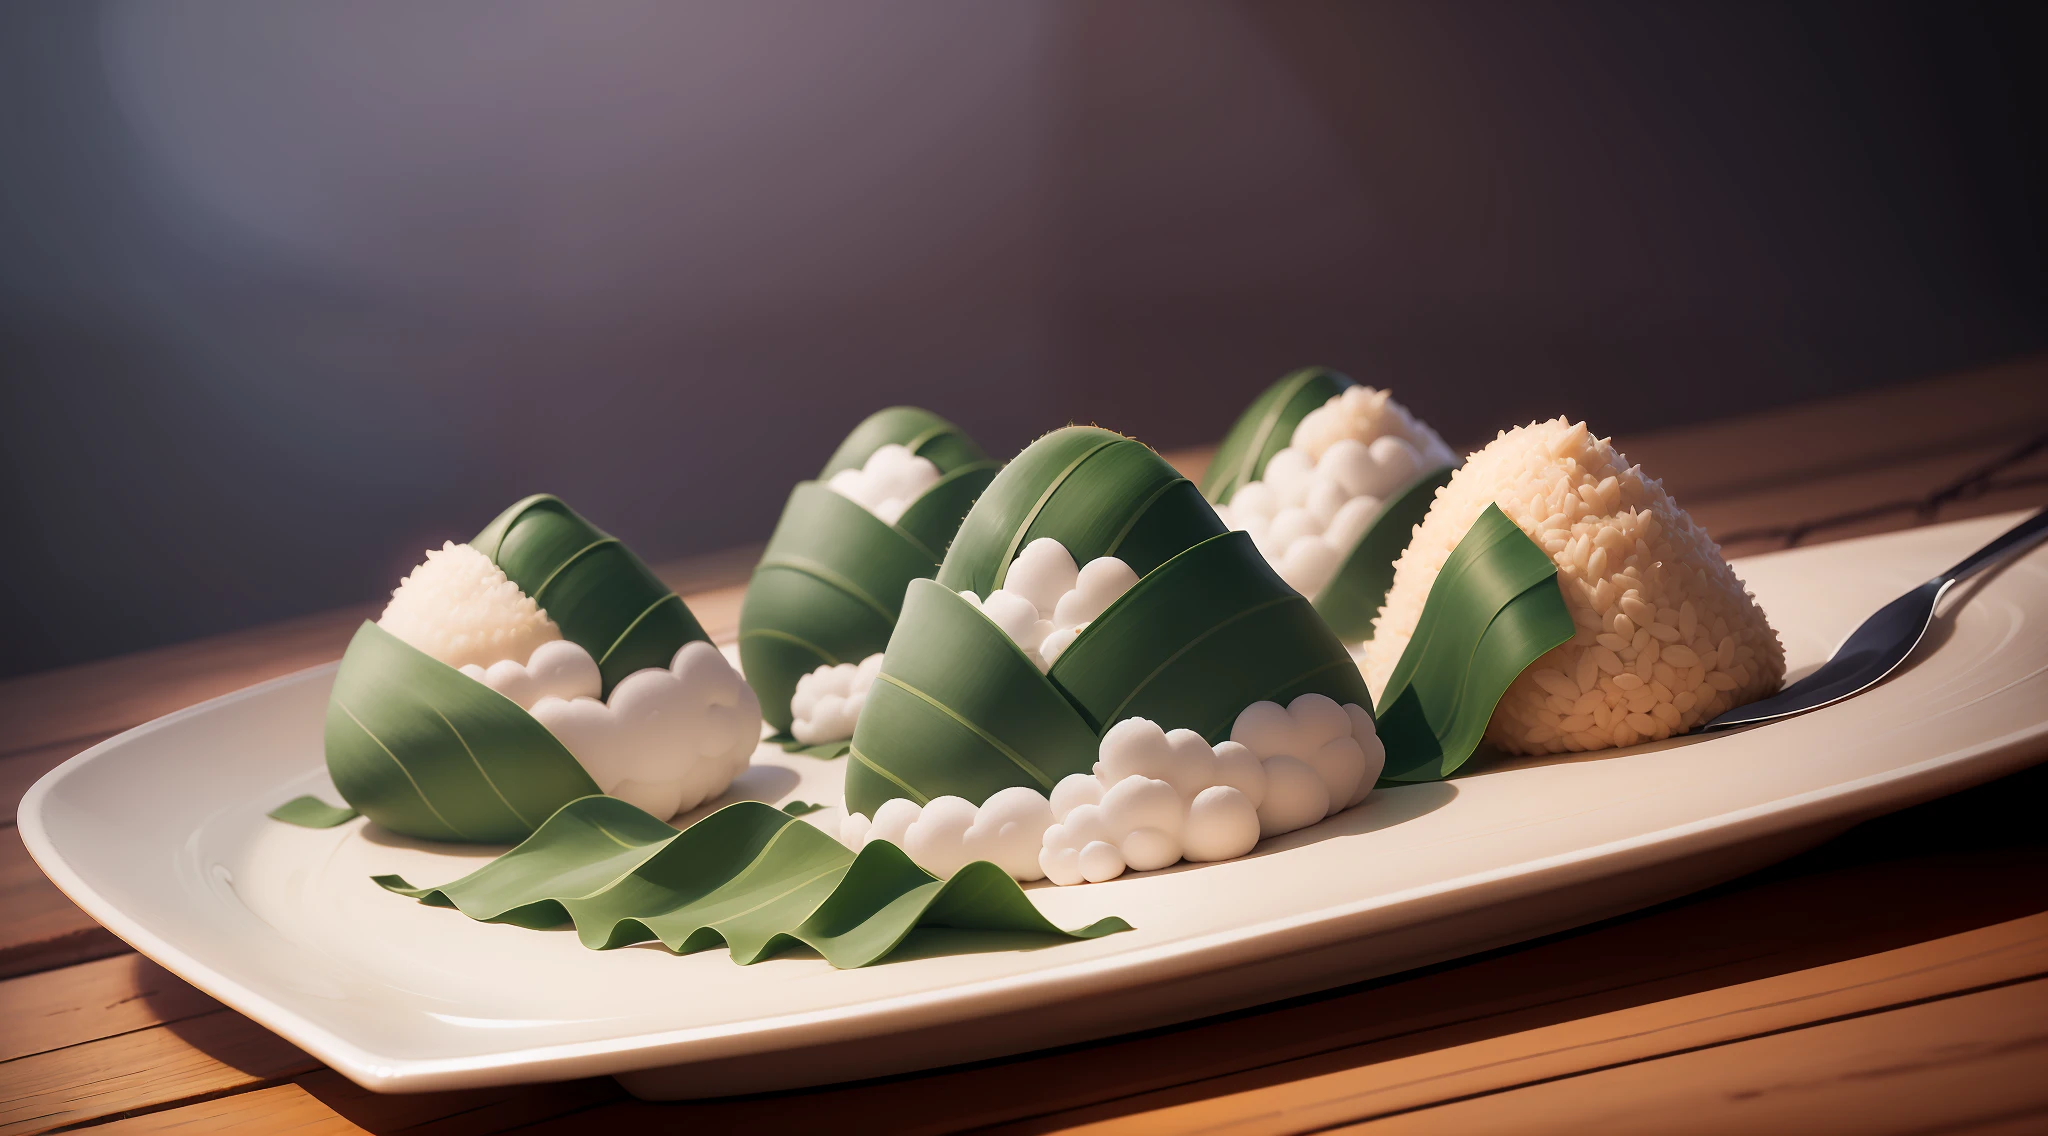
(458, 607)
(1319, 494)
(1667, 636)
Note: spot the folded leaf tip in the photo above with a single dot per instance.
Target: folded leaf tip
(312, 812)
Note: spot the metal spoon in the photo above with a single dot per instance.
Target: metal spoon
(1884, 640)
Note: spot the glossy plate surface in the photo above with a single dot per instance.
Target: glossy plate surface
(159, 833)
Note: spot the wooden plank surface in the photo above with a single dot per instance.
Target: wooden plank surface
(1893, 978)
(1932, 1067)
(278, 1109)
(57, 1009)
(200, 1056)
(42, 928)
(1418, 1071)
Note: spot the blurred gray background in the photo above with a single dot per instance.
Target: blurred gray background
(289, 292)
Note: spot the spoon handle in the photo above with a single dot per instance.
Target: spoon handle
(2015, 539)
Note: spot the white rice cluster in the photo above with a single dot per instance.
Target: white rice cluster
(667, 740)
(1317, 496)
(828, 700)
(950, 833)
(1046, 601)
(458, 607)
(556, 669)
(887, 482)
(1667, 636)
(1155, 797)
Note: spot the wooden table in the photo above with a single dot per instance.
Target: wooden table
(1893, 980)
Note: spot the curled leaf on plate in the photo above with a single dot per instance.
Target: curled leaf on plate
(749, 877)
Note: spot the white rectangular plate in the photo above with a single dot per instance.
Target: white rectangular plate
(160, 834)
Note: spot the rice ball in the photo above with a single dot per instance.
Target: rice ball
(1666, 635)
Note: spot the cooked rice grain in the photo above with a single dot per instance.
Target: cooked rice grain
(1667, 636)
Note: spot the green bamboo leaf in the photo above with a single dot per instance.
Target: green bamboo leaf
(1208, 630)
(1354, 595)
(600, 594)
(312, 812)
(958, 710)
(831, 581)
(827, 591)
(1494, 609)
(1192, 644)
(824, 751)
(935, 516)
(920, 431)
(1098, 493)
(1266, 427)
(424, 750)
(801, 808)
(748, 876)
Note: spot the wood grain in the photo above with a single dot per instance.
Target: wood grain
(1801, 500)
(196, 1057)
(42, 928)
(1418, 1071)
(277, 1109)
(1973, 1058)
(467, 1112)
(89, 1001)
(1974, 413)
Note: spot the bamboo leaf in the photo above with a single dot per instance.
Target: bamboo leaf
(830, 584)
(1208, 630)
(749, 876)
(824, 751)
(1266, 427)
(958, 710)
(934, 517)
(1494, 609)
(1192, 644)
(600, 594)
(1354, 595)
(827, 591)
(1098, 493)
(801, 808)
(312, 812)
(920, 431)
(423, 749)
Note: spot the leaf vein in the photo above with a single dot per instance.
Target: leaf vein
(996, 743)
(422, 793)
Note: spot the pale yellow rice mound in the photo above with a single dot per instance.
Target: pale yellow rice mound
(460, 608)
(1667, 636)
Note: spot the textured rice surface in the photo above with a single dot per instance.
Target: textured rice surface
(1667, 636)
(458, 607)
